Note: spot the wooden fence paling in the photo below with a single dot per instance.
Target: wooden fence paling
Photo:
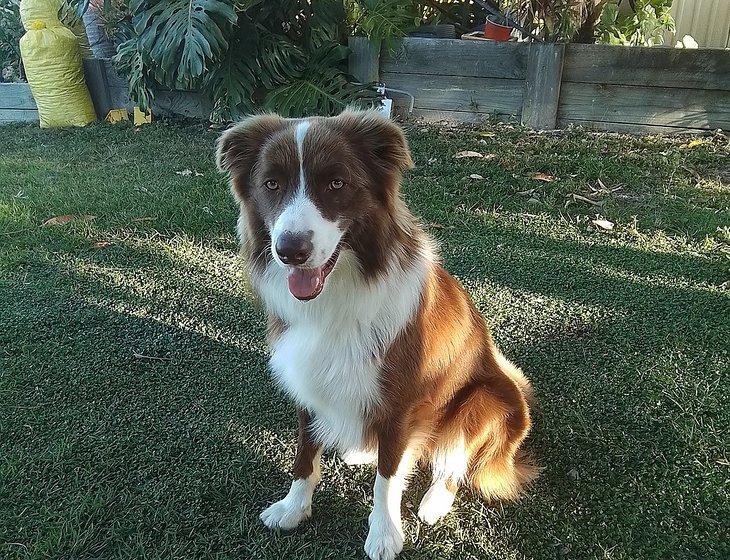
(542, 86)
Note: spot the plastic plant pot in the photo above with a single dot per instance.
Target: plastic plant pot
(497, 31)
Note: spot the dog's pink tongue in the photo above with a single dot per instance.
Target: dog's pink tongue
(305, 283)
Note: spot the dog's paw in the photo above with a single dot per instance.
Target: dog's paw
(435, 504)
(385, 539)
(285, 514)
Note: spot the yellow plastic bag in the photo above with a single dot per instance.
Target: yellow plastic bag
(52, 60)
(47, 11)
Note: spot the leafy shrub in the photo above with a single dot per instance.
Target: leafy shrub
(625, 22)
(11, 30)
(643, 24)
(287, 55)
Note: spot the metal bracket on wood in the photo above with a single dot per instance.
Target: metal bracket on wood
(542, 85)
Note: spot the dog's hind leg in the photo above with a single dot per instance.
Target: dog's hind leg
(297, 504)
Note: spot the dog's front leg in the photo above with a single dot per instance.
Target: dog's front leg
(395, 460)
(297, 505)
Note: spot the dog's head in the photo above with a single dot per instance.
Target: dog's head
(312, 187)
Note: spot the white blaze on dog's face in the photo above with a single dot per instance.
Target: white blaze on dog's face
(310, 187)
(302, 239)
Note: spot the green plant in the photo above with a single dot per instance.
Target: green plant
(557, 20)
(286, 55)
(11, 30)
(383, 20)
(642, 22)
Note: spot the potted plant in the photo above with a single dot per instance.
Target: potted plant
(497, 28)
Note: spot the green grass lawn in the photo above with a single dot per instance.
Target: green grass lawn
(137, 419)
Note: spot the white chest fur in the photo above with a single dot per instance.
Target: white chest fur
(329, 358)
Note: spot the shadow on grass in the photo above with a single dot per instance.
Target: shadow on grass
(178, 452)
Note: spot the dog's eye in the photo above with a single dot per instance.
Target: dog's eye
(271, 185)
(337, 184)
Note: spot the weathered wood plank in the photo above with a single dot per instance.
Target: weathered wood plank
(629, 128)
(16, 96)
(119, 98)
(542, 85)
(691, 108)
(95, 74)
(648, 66)
(18, 115)
(112, 77)
(460, 93)
(364, 59)
(454, 57)
(187, 103)
(431, 116)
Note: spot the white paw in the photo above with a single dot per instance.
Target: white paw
(358, 457)
(435, 503)
(285, 514)
(385, 539)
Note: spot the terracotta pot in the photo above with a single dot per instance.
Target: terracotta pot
(495, 31)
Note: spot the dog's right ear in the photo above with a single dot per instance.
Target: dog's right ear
(238, 148)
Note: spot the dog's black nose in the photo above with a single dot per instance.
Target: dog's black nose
(294, 248)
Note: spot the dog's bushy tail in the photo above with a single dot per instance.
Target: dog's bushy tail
(495, 419)
(498, 476)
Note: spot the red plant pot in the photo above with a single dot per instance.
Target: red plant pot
(495, 31)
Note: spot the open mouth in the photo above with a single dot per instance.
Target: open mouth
(307, 283)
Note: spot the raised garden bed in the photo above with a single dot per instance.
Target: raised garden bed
(550, 85)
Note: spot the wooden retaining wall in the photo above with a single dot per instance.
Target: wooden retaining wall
(108, 91)
(636, 89)
(545, 86)
(16, 103)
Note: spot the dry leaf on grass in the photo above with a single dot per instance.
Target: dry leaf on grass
(476, 177)
(66, 218)
(605, 225)
(102, 244)
(468, 154)
(58, 220)
(544, 177)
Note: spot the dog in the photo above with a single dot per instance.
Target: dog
(382, 351)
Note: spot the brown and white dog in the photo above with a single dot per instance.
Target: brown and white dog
(382, 350)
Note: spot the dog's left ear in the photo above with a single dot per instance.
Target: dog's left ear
(238, 148)
(380, 141)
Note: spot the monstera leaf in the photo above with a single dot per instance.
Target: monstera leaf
(322, 89)
(130, 63)
(181, 37)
